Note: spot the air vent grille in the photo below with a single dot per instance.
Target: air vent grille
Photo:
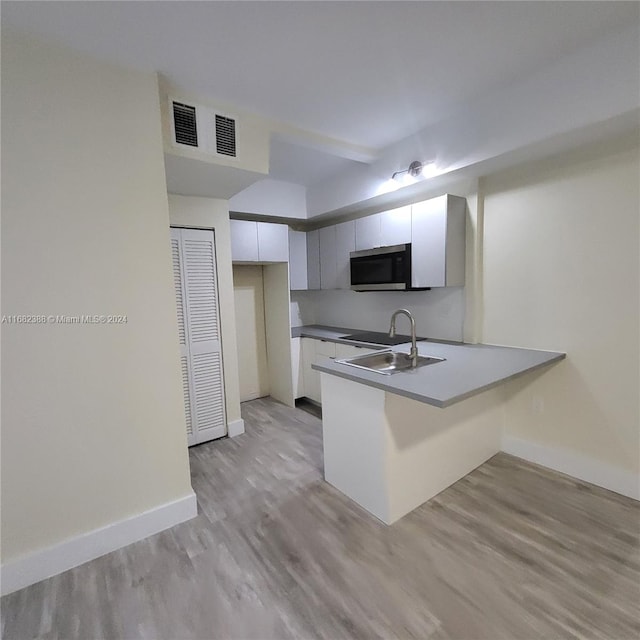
(184, 119)
(225, 136)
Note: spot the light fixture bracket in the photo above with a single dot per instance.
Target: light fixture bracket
(414, 170)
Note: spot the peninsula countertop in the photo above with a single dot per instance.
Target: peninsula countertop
(467, 369)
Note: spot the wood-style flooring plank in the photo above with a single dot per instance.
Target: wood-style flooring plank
(511, 551)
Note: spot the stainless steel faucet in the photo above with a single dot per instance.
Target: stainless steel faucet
(413, 354)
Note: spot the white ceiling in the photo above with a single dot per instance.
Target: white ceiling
(302, 165)
(368, 73)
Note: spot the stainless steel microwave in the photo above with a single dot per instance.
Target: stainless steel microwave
(382, 269)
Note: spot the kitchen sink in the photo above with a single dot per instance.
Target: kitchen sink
(388, 362)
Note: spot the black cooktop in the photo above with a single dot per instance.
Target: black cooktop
(373, 337)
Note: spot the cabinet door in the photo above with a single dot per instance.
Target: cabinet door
(323, 349)
(428, 237)
(313, 259)
(297, 368)
(273, 242)
(438, 242)
(328, 258)
(326, 349)
(297, 260)
(395, 226)
(311, 378)
(345, 244)
(368, 233)
(350, 351)
(244, 241)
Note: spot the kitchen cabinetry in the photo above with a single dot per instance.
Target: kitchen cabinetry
(297, 369)
(273, 242)
(368, 232)
(395, 226)
(384, 229)
(313, 260)
(328, 258)
(311, 349)
(259, 241)
(308, 379)
(345, 244)
(336, 243)
(438, 242)
(244, 241)
(298, 261)
(350, 351)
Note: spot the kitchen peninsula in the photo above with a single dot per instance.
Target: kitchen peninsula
(392, 442)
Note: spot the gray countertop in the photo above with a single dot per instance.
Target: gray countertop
(468, 369)
(335, 334)
(321, 332)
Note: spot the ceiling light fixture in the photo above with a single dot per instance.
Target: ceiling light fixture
(414, 171)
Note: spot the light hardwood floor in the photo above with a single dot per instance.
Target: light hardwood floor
(510, 551)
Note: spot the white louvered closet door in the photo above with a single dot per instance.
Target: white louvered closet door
(194, 269)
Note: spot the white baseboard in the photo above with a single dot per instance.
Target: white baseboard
(44, 563)
(235, 428)
(576, 465)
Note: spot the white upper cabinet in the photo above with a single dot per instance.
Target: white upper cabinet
(328, 258)
(345, 244)
(313, 259)
(438, 242)
(298, 260)
(369, 232)
(335, 245)
(395, 226)
(244, 241)
(259, 241)
(384, 229)
(273, 242)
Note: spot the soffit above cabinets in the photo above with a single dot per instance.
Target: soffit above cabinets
(189, 177)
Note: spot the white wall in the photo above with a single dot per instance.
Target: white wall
(212, 213)
(273, 198)
(93, 419)
(595, 84)
(561, 272)
(439, 313)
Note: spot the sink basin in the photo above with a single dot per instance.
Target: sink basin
(388, 362)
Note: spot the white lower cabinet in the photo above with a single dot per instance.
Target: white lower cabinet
(311, 349)
(297, 368)
(307, 357)
(350, 351)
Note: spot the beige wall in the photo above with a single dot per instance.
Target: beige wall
(93, 426)
(561, 273)
(248, 289)
(276, 313)
(212, 213)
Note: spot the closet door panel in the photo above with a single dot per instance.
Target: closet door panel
(178, 284)
(203, 373)
(186, 392)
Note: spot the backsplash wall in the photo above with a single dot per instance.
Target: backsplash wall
(439, 313)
